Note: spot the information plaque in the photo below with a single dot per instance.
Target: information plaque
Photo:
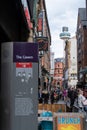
(19, 86)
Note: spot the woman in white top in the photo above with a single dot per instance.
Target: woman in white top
(81, 99)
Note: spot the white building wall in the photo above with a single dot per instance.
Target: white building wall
(73, 62)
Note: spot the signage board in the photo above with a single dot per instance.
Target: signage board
(25, 52)
(27, 13)
(19, 85)
(68, 121)
(43, 43)
(40, 22)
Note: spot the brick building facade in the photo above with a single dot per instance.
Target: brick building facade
(82, 46)
(58, 72)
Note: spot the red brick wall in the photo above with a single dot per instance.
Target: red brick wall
(58, 73)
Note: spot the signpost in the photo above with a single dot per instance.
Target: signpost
(19, 86)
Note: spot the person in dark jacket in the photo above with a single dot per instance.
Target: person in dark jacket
(72, 96)
(52, 97)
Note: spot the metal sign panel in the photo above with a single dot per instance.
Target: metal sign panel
(19, 85)
(25, 52)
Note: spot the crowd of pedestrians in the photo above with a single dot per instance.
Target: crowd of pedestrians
(53, 95)
(74, 96)
(70, 95)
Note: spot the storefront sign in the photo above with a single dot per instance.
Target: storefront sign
(68, 121)
(40, 22)
(27, 13)
(43, 43)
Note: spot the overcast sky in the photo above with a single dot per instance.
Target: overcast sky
(62, 13)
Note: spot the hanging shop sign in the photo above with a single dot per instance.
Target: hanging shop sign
(43, 43)
(27, 13)
(40, 23)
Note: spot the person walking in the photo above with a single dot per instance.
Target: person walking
(52, 97)
(82, 102)
(65, 94)
(81, 99)
(72, 96)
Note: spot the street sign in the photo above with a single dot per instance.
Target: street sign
(19, 85)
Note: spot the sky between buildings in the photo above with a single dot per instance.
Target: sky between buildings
(62, 13)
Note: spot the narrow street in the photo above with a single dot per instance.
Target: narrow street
(43, 61)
